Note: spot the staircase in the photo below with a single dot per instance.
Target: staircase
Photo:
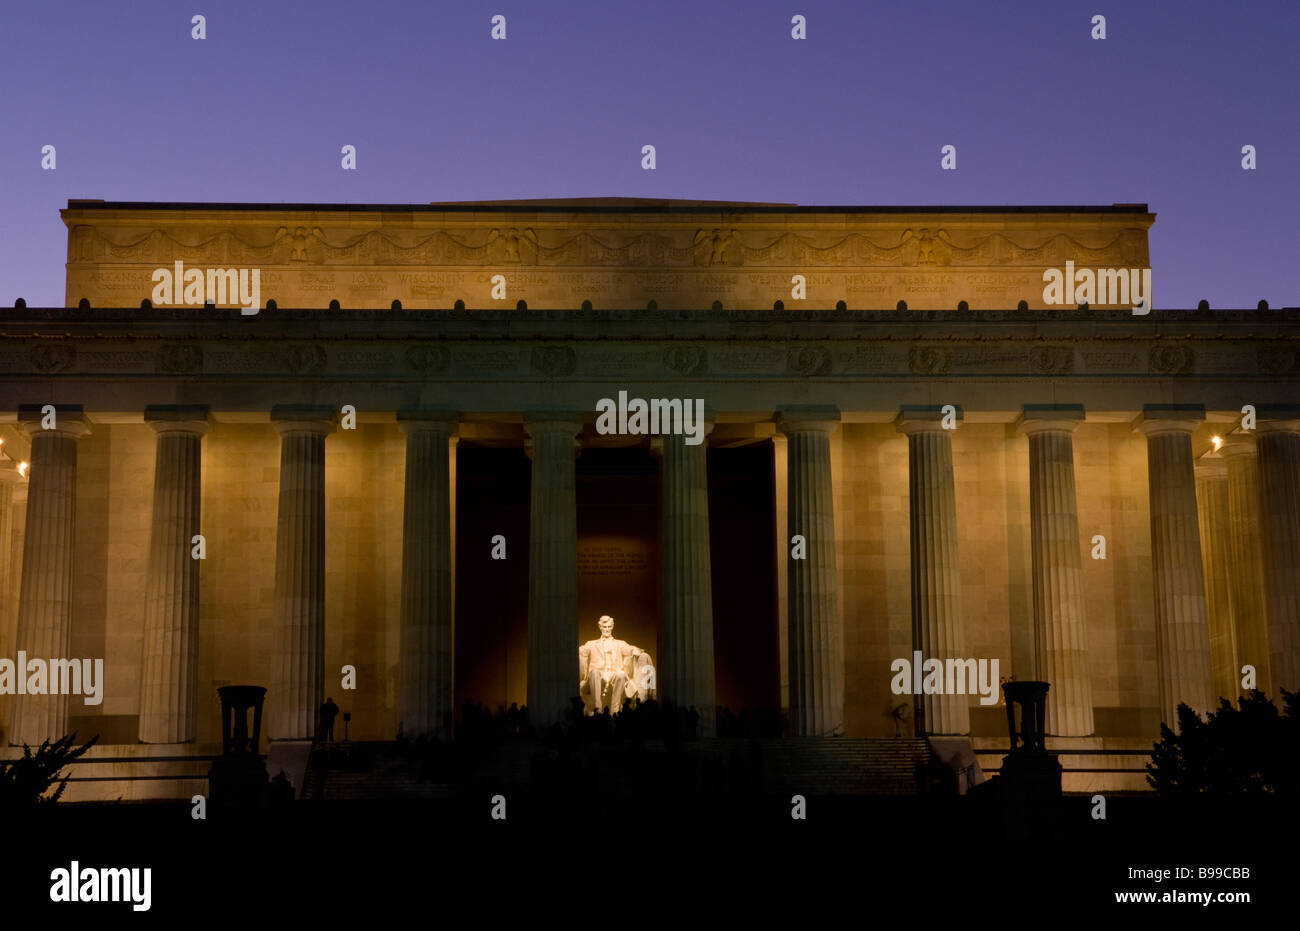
(836, 766)
(366, 770)
(809, 766)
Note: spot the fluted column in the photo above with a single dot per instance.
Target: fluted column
(816, 647)
(45, 598)
(1246, 560)
(1279, 486)
(936, 577)
(1182, 626)
(427, 636)
(685, 674)
(299, 637)
(1212, 510)
(552, 568)
(9, 480)
(1060, 629)
(169, 654)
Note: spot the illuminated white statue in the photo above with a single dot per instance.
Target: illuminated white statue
(612, 671)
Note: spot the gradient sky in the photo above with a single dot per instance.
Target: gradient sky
(1039, 112)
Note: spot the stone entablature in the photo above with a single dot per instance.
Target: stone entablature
(494, 360)
(614, 252)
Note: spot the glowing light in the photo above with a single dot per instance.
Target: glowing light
(22, 468)
(1217, 441)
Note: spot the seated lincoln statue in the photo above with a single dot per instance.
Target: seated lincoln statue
(612, 671)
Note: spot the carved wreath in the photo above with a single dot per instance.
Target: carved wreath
(1170, 360)
(929, 360)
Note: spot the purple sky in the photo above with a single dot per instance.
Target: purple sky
(856, 114)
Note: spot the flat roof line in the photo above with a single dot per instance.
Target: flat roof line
(628, 206)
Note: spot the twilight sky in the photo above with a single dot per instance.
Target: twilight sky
(1040, 113)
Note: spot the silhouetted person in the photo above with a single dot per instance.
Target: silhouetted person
(328, 712)
(281, 789)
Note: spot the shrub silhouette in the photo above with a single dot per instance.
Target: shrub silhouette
(1250, 750)
(24, 782)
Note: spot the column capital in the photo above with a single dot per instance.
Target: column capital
(69, 419)
(9, 474)
(657, 439)
(1277, 426)
(556, 421)
(1156, 419)
(923, 418)
(178, 418)
(302, 418)
(1044, 418)
(436, 420)
(807, 419)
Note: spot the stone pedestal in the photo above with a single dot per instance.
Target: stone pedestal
(169, 656)
(1212, 510)
(1029, 772)
(552, 568)
(299, 637)
(1246, 559)
(936, 579)
(685, 674)
(1182, 627)
(238, 778)
(45, 599)
(425, 700)
(1060, 632)
(816, 650)
(1279, 478)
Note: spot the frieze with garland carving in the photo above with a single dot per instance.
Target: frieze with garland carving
(494, 246)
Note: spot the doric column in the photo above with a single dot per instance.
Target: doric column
(1246, 560)
(170, 648)
(9, 480)
(936, 578)
(427, 638)
(1212, 511)
(781, 563)
(299, 640)
(684, 673)
(1182, 628)
(816, 647)
(1060, 631)
(1279, 486)
(45, 599)
(552, 568)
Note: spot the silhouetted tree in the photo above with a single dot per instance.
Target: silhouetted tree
(24, 782)
(1250, 750)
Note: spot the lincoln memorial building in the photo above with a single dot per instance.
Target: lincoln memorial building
(266, 443)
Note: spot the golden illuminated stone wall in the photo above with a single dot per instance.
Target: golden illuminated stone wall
(991, 477)
(364, 490)
(616, 253)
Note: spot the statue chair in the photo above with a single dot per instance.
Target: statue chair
(637, 684)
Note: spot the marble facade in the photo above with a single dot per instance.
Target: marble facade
(329, 545)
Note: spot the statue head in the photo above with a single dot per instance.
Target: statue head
(606, 625)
